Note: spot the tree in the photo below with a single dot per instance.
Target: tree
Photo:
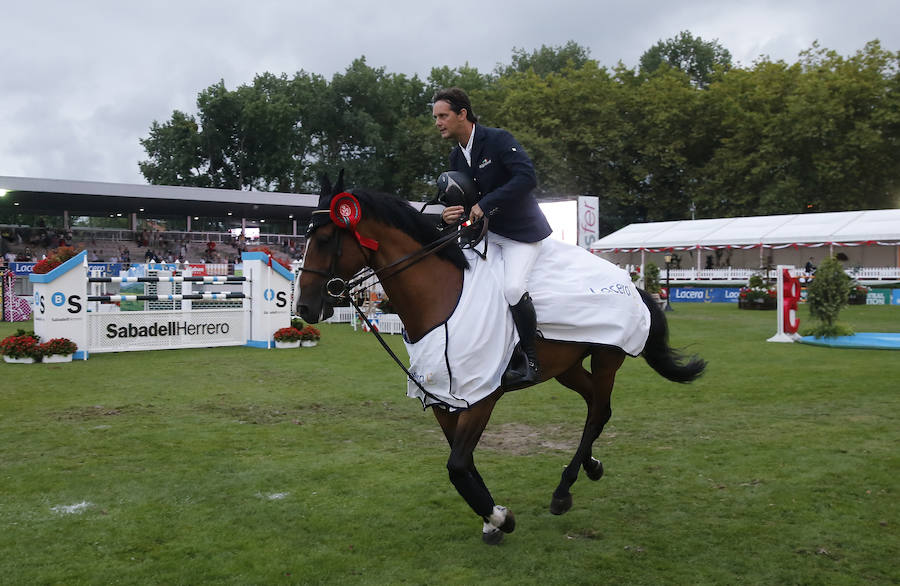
(827, 295)
(844, 121)
(818, 135)
(547, 60)
(684, 131)
(749, 168)
(465, 77)
(663, 146)
(175, 154)
(697, 58)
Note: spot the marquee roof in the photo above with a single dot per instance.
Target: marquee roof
(838, 228)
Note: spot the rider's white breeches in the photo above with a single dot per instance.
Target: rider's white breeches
(518, 260)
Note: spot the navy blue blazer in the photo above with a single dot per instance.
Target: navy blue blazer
(505, 178)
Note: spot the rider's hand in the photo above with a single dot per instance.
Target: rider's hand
(451, 214)
(476, 213)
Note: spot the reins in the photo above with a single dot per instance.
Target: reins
(410, 259)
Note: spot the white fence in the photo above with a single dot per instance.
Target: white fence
(387, 323)
(865, 275)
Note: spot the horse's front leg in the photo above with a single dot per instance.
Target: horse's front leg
(463, 431)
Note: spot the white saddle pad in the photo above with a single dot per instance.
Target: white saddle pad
(578, 297)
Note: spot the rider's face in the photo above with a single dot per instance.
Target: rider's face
(450, 124)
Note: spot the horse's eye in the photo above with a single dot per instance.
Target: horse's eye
(322, 239)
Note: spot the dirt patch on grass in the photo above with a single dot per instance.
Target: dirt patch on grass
(252, 414)
(100, 411)
(519, 439)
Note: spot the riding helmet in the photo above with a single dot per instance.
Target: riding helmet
(455, 188)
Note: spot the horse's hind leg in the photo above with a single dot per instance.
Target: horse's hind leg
(595, 387)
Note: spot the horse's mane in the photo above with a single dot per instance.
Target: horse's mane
(397, 212)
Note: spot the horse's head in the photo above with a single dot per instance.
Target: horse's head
(331, 253)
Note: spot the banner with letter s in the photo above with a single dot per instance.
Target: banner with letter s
(588, 220)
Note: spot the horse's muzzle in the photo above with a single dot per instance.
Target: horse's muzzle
(312, 315)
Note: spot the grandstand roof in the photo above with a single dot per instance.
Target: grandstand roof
(868, 226)
(51, 196)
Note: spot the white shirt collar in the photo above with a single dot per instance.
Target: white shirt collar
(467, 150)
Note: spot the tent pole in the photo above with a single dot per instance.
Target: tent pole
(643, 256)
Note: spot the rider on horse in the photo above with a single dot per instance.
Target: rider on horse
(504, 178)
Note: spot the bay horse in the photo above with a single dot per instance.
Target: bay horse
(386, 233)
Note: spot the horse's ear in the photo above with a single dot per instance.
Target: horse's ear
(325, 185)
(339, 188)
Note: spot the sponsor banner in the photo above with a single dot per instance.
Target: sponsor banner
(878, 297)
(895, 299)
(588, 220)
(22, 268)
(198, 270)
(705, 294)
(105, 269)
(146, 330)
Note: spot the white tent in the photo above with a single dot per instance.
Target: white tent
(867, 238)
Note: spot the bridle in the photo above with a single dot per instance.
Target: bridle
(338, 288)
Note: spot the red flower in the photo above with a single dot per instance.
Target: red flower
(21, 345)
(310, 333)
(60, 346)
(272, 256)
(288, 335)
(55, 257)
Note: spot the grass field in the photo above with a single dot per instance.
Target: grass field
(310, 466)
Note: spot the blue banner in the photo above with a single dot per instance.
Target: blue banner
(106, 269)
(22, 268)
(705, 294)
(895, 297)
(162, 266)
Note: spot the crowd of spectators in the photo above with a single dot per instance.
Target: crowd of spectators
(31, 244)
(165, 251)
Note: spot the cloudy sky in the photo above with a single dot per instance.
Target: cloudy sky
(81, 82)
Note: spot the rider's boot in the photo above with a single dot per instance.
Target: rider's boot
(523, 369)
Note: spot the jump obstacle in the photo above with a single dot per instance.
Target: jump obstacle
(64, 307)
(788, 291)
(787, 288)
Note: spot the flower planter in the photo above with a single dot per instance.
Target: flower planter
(294, 344)
(757, 303)
(27, 360)
(53, 358)
(309, 343)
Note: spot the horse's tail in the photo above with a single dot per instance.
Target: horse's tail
(665, 360)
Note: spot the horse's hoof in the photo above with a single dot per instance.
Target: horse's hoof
(509, 525)
(594, 469)
(492, 537)
(558, 506)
